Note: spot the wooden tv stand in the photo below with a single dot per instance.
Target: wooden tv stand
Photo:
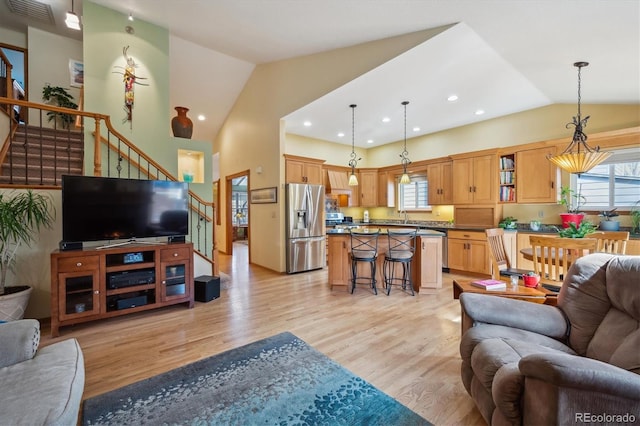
(92, 284)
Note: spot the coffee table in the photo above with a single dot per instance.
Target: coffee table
(523, 293)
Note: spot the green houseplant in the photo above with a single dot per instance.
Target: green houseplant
(635, 218)
(608, 224)
(572, 201)
(579, 231)
(508, 222)
(59, 96)
(22, 215)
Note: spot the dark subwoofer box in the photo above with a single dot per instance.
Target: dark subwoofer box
(207, 288)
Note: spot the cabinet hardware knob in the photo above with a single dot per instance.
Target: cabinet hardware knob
(96, 292)
(79, 264)
(175, 254)
(164, 282)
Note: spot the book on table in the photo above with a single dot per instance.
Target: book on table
(490, 284)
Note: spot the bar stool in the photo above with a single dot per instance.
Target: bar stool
(364, 248)
(401, 249)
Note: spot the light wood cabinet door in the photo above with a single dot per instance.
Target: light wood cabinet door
(475, 180)
(313, 173)
(439, 177)
(522, 241)
(430, 255)
(462, 182)
(303, 172)
(294, 171)
(457, 254)
(478, 255)
(386, 190)
(368, 183)
(339, 265)
(537, 176)
(469, 251)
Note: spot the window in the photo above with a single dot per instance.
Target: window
(612, 184)
(414, 195)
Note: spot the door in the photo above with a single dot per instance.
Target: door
(236, 184)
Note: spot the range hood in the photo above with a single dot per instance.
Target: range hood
(338, 182)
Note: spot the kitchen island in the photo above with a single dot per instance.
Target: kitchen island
(426, 267)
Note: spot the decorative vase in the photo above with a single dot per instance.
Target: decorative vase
(610, 225)
(566, 218)
(181, 125)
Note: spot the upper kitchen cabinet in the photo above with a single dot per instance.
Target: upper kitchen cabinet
(303, 170)
(368, 185)
(440, 183)
(386, 189)
(474, 180)
(538, 177)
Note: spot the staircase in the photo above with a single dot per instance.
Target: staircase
(40, 156)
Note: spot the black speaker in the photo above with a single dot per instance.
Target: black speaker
(70, 245)
(207, 288)
(177, 239)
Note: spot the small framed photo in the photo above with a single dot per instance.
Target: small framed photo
(264, 195)
(76, 71)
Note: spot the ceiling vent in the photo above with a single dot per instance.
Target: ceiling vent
(32, 9)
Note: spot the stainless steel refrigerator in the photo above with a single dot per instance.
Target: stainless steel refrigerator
(305, 227)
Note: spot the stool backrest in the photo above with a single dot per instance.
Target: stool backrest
(402, 243)
(364, 244)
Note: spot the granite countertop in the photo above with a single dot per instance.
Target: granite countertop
(420, 232)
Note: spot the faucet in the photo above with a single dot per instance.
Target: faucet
(406, 216)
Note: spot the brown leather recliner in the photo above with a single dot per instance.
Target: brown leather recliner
(577, 362)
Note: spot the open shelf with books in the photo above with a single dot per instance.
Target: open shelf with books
(507, 170)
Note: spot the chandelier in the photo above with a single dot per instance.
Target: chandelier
(404, 155)
(353, 162)
(579, 157)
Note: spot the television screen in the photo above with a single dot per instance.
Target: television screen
(99, 208)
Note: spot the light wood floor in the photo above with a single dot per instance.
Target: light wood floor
(406, 346)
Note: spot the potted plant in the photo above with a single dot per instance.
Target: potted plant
(573, 201)
(59, 96)
(635, 218)
(573, 231)
(607, 224)
(22, 215)
(531, 279)
(508, 222)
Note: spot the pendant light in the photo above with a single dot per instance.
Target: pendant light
(579, 157)
(404, 156)
(72, 21)
(353, 162)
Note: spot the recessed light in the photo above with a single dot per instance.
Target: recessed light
(416, 129)
(307, 124)
(341, 135)
(452, 98)
(370, 141)
(386, 120)
(479, 112)
(201, 117)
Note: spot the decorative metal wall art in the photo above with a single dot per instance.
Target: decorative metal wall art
(129, 78)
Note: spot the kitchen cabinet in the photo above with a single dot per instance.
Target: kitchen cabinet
(537, 176)
(468, 251)
(303, 170)
(429, 264)
(474, 180)
(522, 241)
(339, 266)
(368, 186)
(386, 189)
(439, 176)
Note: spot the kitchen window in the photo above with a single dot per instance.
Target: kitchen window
(414, 195)
(613, 184)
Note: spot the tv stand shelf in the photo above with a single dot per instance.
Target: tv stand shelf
(92, 284)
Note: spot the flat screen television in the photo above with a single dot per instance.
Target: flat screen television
(101, 208)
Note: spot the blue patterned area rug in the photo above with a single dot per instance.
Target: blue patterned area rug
(276, 381)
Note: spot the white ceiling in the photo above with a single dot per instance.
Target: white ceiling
(504, 56)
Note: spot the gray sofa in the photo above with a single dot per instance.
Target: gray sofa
(577, 362)
(39, 386)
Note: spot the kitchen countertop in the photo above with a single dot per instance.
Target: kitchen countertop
(420, 232)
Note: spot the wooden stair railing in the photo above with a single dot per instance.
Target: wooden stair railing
(123, 159)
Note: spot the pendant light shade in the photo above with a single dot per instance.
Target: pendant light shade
(579, 157)
(353, 162)
(72, 21)
(405, 155)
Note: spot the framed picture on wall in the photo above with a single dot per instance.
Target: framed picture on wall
(264, 195)
(76, 71)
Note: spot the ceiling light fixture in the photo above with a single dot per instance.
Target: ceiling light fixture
(353, 162)
(72, 21)
(584, 158)
(404, 156)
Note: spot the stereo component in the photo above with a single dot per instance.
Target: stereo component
(130, 278)
(70, 245)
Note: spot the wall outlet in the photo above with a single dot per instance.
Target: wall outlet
(540, 213)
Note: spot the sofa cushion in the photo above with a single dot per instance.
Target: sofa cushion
(20, 340)
(45, 390)
(617, 339)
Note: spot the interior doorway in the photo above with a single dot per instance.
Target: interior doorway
(17, 82)
(237, 211)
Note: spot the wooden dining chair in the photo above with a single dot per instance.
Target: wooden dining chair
(502, 269)
(614, 242)
(553, 256)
